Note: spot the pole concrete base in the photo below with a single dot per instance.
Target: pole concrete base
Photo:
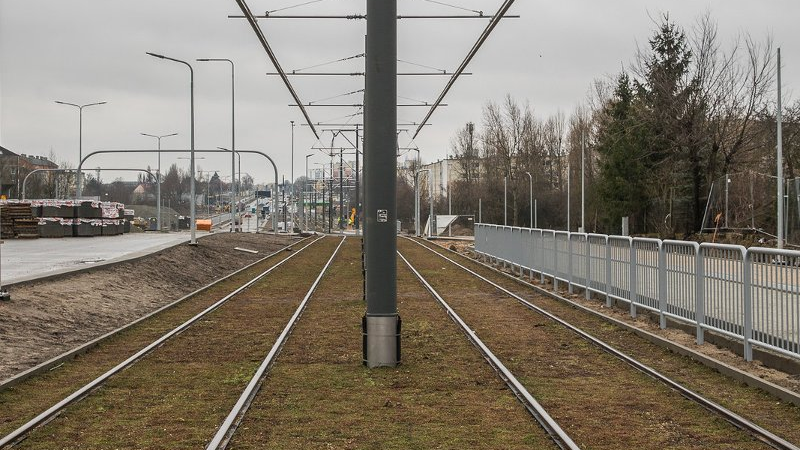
(381, 340)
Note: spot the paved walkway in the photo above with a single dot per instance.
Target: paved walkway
(26, 259)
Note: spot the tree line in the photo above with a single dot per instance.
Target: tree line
(658, 142)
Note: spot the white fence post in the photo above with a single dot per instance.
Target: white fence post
(662, 286)
(747, 285)
(608, 273)
(569, 263)
(632, 280)
(588, 269)
(699, 295)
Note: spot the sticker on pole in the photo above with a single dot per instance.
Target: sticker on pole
(383, 215)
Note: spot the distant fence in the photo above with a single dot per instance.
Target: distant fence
(752, 295)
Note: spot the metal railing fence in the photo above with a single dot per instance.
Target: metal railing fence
(751, 295)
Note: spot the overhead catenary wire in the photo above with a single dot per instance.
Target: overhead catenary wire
(292, 6)
(422, 65)
(479, 13)
(260, 34)
(346, 58)
(423, 102)
(338, 96)
(481, 39)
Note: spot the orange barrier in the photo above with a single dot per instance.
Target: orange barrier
(203, 225)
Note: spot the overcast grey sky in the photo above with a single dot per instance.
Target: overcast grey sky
(82, 51)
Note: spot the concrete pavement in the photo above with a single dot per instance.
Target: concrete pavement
(24, 259)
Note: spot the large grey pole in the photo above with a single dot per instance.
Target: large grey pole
(233, 138)
(158, 172)
(780, 157)
(192, 214)
(382, 323)
(530, 178)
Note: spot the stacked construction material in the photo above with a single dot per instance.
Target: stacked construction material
(16, 220)
(112, 214)
(60, 218)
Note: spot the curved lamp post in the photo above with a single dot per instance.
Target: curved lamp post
(274, 167)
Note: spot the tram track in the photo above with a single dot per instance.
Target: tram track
(769, 406)
(236, 414)
(579, 358)
(442, 395)
(161, 377)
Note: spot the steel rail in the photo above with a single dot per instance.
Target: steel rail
(738, 421)
(69, 354)
(556, 433)
(268, 49)
(481, 39)
(235, 416)
(45, 416)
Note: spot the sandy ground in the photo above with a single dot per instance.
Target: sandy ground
(46, 318)
(756, 368)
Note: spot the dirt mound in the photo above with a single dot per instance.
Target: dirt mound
(46, 318)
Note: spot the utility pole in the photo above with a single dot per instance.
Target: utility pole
(381, 323)
(569, 196)
(583, 183)
(780, 157)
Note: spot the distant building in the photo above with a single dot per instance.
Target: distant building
(444, 172)
(14, 167)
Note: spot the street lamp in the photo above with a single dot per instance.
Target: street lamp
(158, 173)
(193, 224)
(305, 221)
(233, 137)
(80, 131)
